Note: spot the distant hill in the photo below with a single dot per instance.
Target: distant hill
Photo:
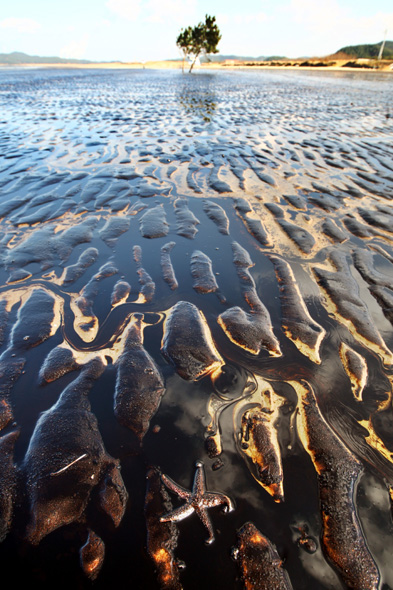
(220, 58)
(368, 51)
(17, 57)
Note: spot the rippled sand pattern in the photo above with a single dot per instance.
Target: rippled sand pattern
(196, 268)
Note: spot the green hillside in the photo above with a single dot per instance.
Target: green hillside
(368, 51)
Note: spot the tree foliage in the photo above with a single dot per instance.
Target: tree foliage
(199, 40)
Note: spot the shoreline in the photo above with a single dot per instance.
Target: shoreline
(295, 65)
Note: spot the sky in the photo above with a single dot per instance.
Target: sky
(143, 30)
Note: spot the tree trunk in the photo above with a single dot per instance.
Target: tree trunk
(193, 63)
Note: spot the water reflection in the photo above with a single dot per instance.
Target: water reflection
(197, 97)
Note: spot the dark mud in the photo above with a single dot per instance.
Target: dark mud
(139, 384)
(196, 268)
(259, 561)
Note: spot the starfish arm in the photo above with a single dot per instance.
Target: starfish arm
(211, 499)
(178, 513)
(199, 500)
(203, 515)
(174, 487)
(199, 486)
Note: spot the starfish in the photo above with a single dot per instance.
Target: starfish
(198, 500)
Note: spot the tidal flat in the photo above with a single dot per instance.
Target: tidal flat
(196, 295)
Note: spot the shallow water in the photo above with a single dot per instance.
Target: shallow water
(262, 201)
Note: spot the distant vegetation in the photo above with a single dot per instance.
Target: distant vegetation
(356, 64)
(368, 51)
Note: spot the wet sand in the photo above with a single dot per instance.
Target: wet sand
(324, 65)
(196, 268)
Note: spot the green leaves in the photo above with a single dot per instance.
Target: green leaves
(212, 34)
(201, 39)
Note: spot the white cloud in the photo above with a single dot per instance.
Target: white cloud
(249, 19)
(330, 17)
(173, 11)
(241, 18)
(377, 24)
(21, 25)
(223, 19)
(128, 9)
(245, 33)
(317, 15)
(75, 49)
(156, 11)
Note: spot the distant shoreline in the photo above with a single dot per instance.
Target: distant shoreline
(278, 65)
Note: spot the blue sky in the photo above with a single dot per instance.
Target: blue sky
(136, 30)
